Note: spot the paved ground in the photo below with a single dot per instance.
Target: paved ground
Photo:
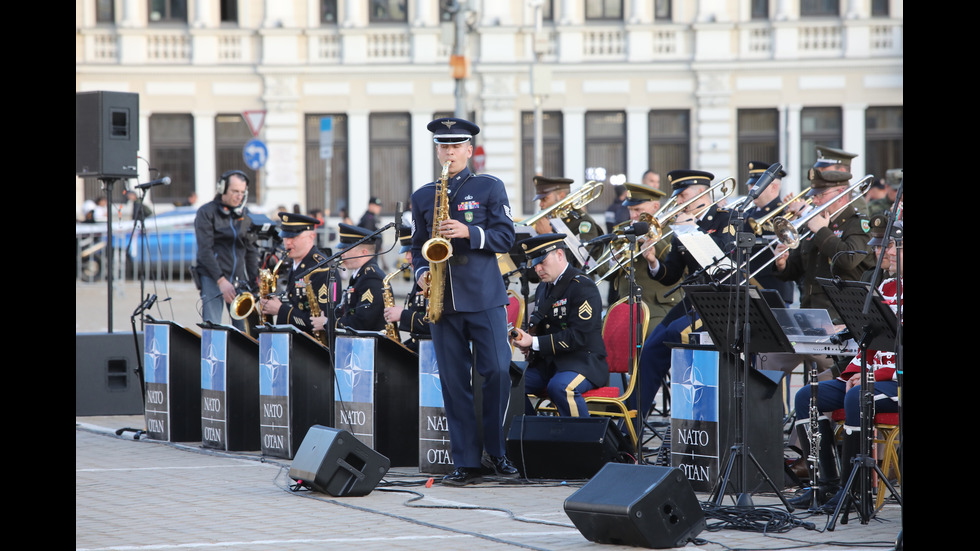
(142, 495)
(137, 494)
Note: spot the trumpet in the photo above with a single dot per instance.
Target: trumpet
(619, 248)
(589, 192)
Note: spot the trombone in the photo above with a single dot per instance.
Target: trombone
(762, 224)
(788, 233)
(589, 192)
(619, 248)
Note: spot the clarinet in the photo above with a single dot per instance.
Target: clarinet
(815, 435)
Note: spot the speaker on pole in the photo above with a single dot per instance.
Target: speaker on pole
(106, 134)
(334, 462)
(640, 505)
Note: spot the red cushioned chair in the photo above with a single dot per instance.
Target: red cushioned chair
(609, 401)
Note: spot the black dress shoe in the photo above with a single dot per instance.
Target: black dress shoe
(500, 466)
(805, 500)
(463, 476)
(831, 504)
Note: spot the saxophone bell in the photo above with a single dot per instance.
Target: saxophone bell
(437, 250)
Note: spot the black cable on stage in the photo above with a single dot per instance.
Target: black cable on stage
(311, 495)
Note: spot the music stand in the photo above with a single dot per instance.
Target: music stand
(715, 305)
(877, 329)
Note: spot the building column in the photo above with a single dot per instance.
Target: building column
(796, 179)
(205, 171)
(637, 143)
(855, 122)
(358, 162)
(573, 119)
(714, 127)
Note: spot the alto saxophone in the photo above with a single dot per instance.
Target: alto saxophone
(267, 286)
(246, 306)
(437, 250)
(315, 311)
(391, 330)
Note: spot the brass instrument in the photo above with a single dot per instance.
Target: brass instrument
(243, 306)
(618, 249)
(578, 200)
(315, 311)
(788, 233)
(245, 303)
(763, 224)
(437, 250)
(391, 330)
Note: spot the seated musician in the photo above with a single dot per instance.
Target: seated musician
(845, 392)
(763, 206)
(578, 222)
(566, 355)
(308, 267)
(655, 355)
(643, 202)
(411, 317)
(362, 304)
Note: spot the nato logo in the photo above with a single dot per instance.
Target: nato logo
(694, 385)
(156, 345)
(274, 364)
(355, 361)
(214, 348)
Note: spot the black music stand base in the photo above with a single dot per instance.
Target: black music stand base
(861, 462)
(743, 499)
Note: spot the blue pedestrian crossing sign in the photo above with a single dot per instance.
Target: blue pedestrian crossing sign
(255, 154)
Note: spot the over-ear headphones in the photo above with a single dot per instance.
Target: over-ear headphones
(222, 184)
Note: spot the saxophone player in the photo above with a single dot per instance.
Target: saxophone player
(299, 240)
(478, 224)
(361, 306)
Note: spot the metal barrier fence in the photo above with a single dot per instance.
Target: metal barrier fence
(166, 255)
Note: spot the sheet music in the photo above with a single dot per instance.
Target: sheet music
(702, 247)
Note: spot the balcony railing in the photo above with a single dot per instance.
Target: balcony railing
(396, 45)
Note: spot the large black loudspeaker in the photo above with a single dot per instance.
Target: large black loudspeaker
(106, 380)
(334, 462)
(562, 447)
(106, 134)
(640, 505)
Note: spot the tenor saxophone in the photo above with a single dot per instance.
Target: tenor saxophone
(437, 250)
(391, 330)
(315, 311)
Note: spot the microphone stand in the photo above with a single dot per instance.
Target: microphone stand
(636, 340)
(139, 226)
(330, 327)
(864, 462)
(107, 184)
(741, 350)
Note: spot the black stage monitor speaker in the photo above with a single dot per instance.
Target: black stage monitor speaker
(334, 462)
(640, 505)
(562, 447)
(106, 134)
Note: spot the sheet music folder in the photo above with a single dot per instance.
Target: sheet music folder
(848, 299)
(716, 305)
